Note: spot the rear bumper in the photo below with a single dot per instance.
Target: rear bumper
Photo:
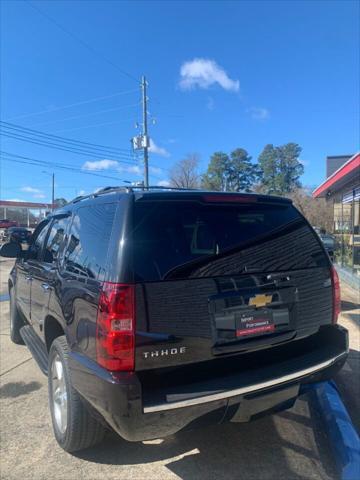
(293, 377)
(135, 415)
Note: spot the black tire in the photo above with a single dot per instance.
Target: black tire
(16, 320)
(82, 429)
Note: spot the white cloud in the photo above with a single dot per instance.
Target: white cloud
(163, 183)
(203, 73)
(131, 169)
(30, 190)
(36, 193)
(100, 165)
(259, 113)
(14, 200)
(158, 150)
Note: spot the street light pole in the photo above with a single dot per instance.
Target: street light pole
(53, 192)
(52, 175)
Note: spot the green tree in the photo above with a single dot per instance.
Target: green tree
(281, 168)
(243, 173)
(60, 202)
(234, 172)
(217, 172)
(290, 167)
(269, 168)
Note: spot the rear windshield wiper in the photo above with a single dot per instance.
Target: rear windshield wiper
(197, 262)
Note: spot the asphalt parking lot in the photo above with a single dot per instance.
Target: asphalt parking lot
(289, 445)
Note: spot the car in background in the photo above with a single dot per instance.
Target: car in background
(5, 223)
(17, 234)
(328, 240)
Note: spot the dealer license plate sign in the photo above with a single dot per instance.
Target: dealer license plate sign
(254, 323)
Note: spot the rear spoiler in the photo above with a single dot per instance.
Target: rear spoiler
(211, 197)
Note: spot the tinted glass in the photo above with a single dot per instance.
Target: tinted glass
(55, 239)
(168, 235)
(37, 240)
(89, 237)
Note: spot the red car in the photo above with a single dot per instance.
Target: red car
(4, 223)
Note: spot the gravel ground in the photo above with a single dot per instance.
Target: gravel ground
(290, 445)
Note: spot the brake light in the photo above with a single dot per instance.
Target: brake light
(230, 198)
(115, 327)
(336, 294)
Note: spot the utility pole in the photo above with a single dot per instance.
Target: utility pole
(53, 191)
(52, 175)
(145, 132)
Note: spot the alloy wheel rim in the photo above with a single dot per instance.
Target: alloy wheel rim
(59, 394)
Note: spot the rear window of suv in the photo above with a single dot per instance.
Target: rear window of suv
(168, 235)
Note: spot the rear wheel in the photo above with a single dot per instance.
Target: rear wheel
(74, 427)
(16, 320)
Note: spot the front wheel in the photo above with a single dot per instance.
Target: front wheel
(74, 427)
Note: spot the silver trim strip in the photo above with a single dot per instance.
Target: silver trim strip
(241, 391)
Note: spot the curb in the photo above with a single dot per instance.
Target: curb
(344, 439)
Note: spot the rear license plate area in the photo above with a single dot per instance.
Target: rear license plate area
(253, 323)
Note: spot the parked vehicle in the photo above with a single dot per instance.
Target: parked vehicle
(328, 240)
(154, 311)
(329, 243)
(5, 223)
(17, 234)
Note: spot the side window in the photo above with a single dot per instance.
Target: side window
(56, 238)
(88, 243)
(37, 240)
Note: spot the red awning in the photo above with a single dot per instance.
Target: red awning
(345, 173)
(9, 203)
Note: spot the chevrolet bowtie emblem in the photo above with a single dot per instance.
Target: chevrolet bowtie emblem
(260, 300)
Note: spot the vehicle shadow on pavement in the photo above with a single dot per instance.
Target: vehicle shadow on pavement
(280, 443)
(346, 305)
(348, 384)
(16, 389)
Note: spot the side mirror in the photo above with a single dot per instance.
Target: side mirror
(11, 250)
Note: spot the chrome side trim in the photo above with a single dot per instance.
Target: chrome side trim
(243, 390)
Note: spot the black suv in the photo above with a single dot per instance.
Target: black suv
(16, 234)
(152, 311)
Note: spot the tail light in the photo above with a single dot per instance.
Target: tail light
(115, 327)
(336, 294)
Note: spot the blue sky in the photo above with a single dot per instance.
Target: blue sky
(221, 75)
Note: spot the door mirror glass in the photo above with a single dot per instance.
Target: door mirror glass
(11, 250)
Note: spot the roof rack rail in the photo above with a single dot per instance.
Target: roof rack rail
(128, 189)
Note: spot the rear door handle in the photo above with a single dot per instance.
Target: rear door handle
(45, 286)
(28, 279)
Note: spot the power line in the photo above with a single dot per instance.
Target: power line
(74, 117)
(82, 42)
(38, 133)
(41, 163)
(90, 126)
(66, 166)
(122, 158)
(84, 102)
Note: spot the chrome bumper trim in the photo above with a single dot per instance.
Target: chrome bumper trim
(243, 390)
